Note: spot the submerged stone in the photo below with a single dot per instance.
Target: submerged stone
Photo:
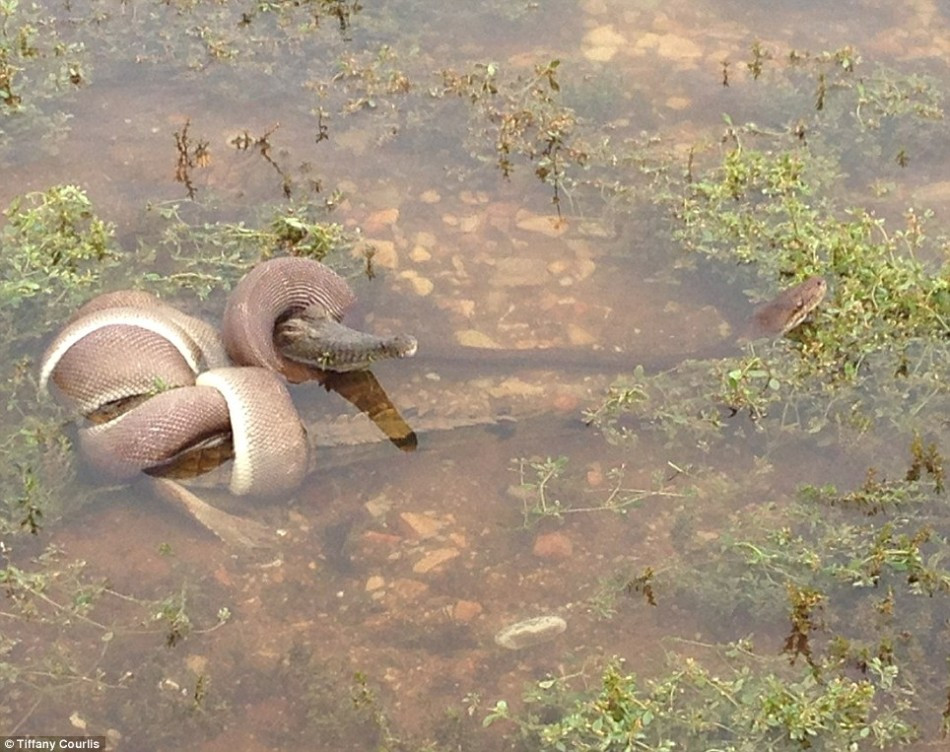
(530, 632)
(434, 559)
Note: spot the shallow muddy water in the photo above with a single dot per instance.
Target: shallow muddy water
(400, 567)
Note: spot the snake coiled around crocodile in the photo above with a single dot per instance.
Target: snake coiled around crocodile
(170, 396)
(158, 384)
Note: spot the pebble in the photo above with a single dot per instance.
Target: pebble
(299, 520)
(377, 539)
(682, 49)
(474, 338)
(549, 225)
(518, 271)
(425, 239)
(584, 268)
(434, 559)
(578, 335)
(419, 254)
(604, 36)
(603, 43)
(379, 219)
(430, 197)
(595, 476)
(77, 721)
(670, 46)
(378, 505)
(469, 223)
(462, 306)
(408, 590)
(600, 54)
(553, 546)
(223, 577)
(515, 387)
(421, 286)
(565, 403)
(530, 632)
(420, 525)
(465, 611)
(374, 583)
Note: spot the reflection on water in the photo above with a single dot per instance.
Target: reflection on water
(396, 564)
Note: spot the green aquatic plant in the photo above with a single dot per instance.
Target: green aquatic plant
(604, 601)
(53, 602)
(884, 533)
(871, 349)
(172, 614)
(741, 702)
(37, 66)
(855, 576)
(207, 257)
(525, 118)
(342, 11)
(546, 492)
(372, 79)
(771, 201)
(54, 252)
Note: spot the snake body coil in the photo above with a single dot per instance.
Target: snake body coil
(161, 384)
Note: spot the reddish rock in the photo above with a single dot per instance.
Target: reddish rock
(376, 539)
(406, 590)
(553, 546)
(466, 611)
(565, 403)
(376, 221)
(222, 577)
(595, 476)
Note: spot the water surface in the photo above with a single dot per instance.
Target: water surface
(403, 566)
